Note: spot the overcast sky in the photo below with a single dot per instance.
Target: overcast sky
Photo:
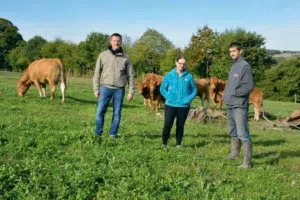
(278, 21)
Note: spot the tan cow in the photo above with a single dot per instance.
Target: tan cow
(41, 72)
(256, 98)
(217, 87)
(202, 85)
(153, 82)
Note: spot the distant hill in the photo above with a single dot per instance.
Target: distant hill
(283, 55)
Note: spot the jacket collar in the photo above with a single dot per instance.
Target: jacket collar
(240, 58)
(174, 71)
(117, 52)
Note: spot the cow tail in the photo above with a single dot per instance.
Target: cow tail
(63, 74)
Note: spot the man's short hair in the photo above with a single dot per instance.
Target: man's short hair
(237, 45)
(117, 35)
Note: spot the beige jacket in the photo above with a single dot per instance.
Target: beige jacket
(113, 71)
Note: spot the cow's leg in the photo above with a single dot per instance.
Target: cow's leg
(207, 100)
(202, 101)
(215, 105)
(221, 104)
(256, 111)
(63, 89)
(145, 102)
(43, 89)
(151, 102)
(157, 102)
(37, 84)
(52, 87)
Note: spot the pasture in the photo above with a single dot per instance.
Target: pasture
(48, 151)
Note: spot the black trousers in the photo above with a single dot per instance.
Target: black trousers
(181, 114)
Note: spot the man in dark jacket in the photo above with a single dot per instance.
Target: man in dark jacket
(236, 97)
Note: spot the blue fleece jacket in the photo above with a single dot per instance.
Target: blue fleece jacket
(178, 91)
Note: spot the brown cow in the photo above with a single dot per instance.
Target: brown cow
(217, 87)
(256, 98)
(145, 91)
(41, 72)
(153, 82)
(202, 85)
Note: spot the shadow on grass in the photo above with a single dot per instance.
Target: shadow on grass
(269, 142)
(282, 155)
(82, 100)
(274, 157)
(95, 102)
(198, 144)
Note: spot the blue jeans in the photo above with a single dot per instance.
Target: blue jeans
(237, 119)
(105, 96)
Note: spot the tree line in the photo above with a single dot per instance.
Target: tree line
(207, 55)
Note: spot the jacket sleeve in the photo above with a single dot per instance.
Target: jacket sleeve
(193, 89)
(164, 86)
(247, 83)
(97, 75)
(130, 76)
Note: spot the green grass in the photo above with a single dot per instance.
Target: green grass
(48, 151)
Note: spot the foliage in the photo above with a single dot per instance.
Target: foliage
(26, 52)
(199, 52)
(273, 51)
(9, 37)
(149, 50)
(168, 63)
(89, 50)
(49, 151)
(281, 82)
(63, 50)
(17, 57)
(33, 49)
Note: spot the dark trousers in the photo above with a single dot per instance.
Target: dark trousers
(181, 114)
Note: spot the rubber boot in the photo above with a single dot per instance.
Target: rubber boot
(247, 155)
(235, 149)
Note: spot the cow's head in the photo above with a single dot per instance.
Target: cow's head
(153, 84)
(22, 87)
(140, 87)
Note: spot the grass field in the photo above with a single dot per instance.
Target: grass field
(48, 151)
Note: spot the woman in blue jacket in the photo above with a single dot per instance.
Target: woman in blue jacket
(179, 89)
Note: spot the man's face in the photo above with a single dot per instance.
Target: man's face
(115, 42)
(235, 53)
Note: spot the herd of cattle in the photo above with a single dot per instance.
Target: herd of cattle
(51, 71)
(208, 88)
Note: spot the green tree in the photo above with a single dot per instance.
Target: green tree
(26, 52)
(281, 82)
(9, 37)
(199, 52)
(65, 51)
(168, 62)
(17, 58)
(33, 49)
(89, 50)
(149, 50)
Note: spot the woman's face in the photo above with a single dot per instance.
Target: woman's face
(180, 64)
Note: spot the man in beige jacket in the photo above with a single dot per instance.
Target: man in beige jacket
(113, 70)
